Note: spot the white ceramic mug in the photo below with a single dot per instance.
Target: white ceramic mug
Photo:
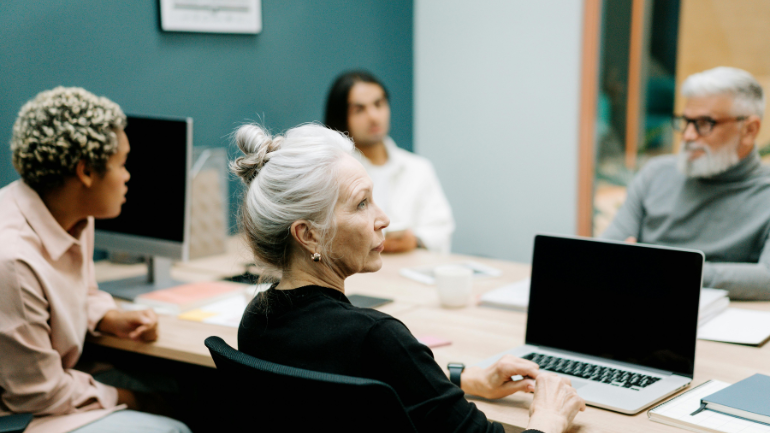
(454, 283)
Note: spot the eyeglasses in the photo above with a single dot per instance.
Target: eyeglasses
(703, 125)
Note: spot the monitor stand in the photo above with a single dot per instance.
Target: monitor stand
(158, 277)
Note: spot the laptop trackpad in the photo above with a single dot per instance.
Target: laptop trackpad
(577, 384)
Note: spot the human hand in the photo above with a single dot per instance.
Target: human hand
(136, 325)
(631, 240)
(555, 404)
(127, 397)
(400, 241)
(149, 402)
(495, 381)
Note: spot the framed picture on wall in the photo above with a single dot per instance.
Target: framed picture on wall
(211, 16)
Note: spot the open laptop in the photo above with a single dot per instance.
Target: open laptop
(619, 320)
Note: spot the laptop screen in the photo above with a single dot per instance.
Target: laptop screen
(623, 302)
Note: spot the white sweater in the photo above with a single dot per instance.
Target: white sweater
(414, 198)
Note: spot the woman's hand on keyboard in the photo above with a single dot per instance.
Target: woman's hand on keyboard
(555, 404)
(495, 381)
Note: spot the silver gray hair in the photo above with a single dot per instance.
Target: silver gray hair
(289, 177)
(60, 127)
(748, 97)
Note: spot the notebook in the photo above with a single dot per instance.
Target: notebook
(678, 412)
(748, 399)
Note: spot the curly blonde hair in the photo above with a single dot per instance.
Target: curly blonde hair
(60, 127)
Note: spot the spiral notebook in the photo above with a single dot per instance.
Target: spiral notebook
(678, 412)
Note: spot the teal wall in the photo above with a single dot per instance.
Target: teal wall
(280, 77)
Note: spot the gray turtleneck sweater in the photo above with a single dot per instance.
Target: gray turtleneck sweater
(727, 216)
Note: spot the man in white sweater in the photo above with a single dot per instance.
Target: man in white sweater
(714, 195)
(405, 184)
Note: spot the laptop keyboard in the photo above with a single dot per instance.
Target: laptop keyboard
(612, 376)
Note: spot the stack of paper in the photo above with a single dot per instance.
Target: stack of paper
(510, 297)
(186, 297)
(712, 303)
(424, 274)
(225, 312)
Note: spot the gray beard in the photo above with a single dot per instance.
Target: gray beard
(710, 163)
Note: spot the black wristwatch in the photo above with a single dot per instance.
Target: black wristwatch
(455, 371)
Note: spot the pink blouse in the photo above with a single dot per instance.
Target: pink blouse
(48, 301)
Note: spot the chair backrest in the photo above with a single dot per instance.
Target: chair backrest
(272, 397)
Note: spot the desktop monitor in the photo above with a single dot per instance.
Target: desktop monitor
(155, 219)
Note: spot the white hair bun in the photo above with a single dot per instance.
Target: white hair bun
(257, 145)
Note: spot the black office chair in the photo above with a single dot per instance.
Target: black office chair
(263, 396)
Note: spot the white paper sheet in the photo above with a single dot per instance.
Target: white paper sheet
(737, 325)
(513, 296)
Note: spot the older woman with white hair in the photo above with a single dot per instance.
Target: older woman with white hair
(309, 218)
(70, 149)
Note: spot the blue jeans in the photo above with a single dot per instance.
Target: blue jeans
(125, 421)
(131, 420)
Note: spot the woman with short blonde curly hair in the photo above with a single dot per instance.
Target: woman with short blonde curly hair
(59, 128)
(70, 149)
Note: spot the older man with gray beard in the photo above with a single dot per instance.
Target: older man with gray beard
(713, 196)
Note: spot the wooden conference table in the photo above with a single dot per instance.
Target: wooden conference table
(475, 332)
